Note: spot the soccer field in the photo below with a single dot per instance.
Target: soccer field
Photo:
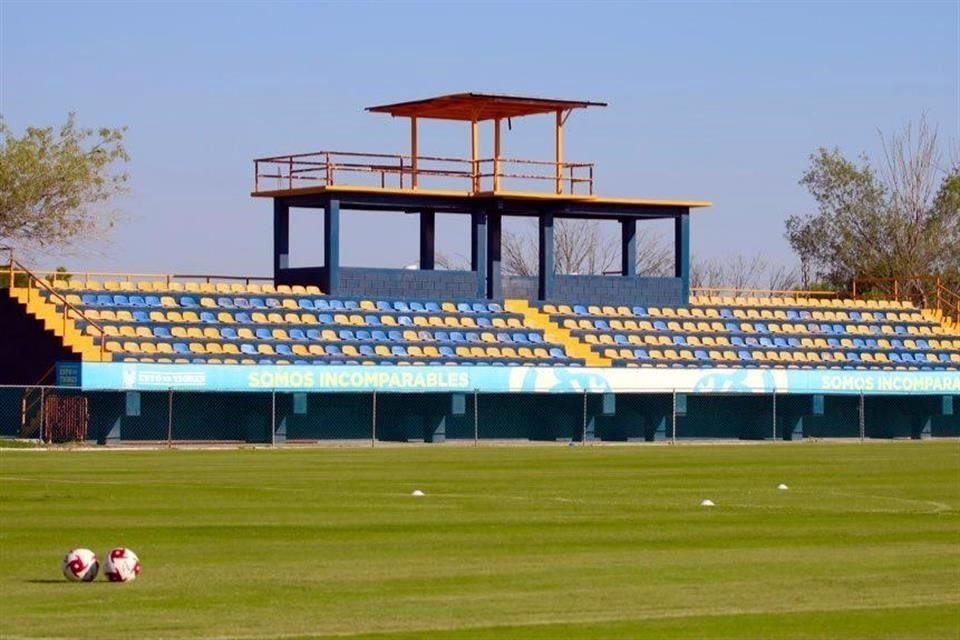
(513, 542)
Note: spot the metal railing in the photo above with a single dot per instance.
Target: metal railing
(369, 419)
(33, 284)
(405, 172)
(928, 292)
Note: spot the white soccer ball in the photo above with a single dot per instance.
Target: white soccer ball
(80, 565)
(121, 565)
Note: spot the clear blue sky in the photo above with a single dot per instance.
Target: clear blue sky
(713, 101)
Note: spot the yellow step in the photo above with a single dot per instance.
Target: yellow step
(553, 332)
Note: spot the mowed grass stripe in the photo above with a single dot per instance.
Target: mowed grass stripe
(509, 542)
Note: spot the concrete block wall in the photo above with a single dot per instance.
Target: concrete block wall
(407, 283)
(617, 290)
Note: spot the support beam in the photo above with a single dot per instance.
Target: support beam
(496, 155)
(545, 271)
(478, 250)
(493, 256)
(628, 246)
(681, 254)
(427, 227)
(281, 237)
(331, 246)
(414, 152)
(558, 151)
(474, 156)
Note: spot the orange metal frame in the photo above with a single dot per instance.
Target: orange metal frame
(331, 168)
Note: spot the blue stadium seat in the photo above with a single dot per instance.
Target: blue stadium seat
(188, 302)
(208, 317)
(141, 316)
(297, 334)
(242, 317)
(306, 303)
(161, 332)
(227, 332)
(136, 301)
(248, 349)
(416, 307)
(263, 333)
(272, 303)
(378, 336)
(225, 302)
(431, 307)
(179, 347)
(152, 301)
(120, 300)
(395, 335)
(284, 350)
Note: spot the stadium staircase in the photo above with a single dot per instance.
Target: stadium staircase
(553, 332)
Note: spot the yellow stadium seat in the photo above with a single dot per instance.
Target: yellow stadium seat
(231, 348)
(178, 332)
(190, 316)
(164, 347)
(300, 350)
(258, 318)
(279, 334)
(289, 303)
(610, 353)
(283, 289)
(414, 351)
(124, 316)
(431, 351)
(127, 331)
(214, 348)
(508, 352)
(208, 303)
(225, 317)
(315, 349)
(265, 349)
(329, 335)
(197, 347)
(143, 332)
(244, 333)
(274, 318)
(195, 333)
(448, 307)
(350, 350)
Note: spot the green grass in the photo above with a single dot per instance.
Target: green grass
(513, 542)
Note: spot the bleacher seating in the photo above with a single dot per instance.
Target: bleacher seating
(221, 323)
(765, 332)
(234, 323)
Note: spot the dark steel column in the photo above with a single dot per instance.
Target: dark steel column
(331, 246)
(427, 246)
(681, 253)
(478, 250)
(545, 269)
(628, 246)
(281, 237)
(493, 256)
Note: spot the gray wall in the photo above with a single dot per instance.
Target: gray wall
(407, 283)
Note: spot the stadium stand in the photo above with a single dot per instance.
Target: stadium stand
(221, 323)
(765, 332)
(206, 323)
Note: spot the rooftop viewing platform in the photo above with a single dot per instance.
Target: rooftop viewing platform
(415, 173)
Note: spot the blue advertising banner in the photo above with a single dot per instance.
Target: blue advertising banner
(408, 379)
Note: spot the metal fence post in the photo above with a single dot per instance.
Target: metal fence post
(862, 420)
(583, 435)
(273, 418)
(43, 416)
(774, 415)
(169, 418)
(476, 417)
(673, 421)
(373, 430)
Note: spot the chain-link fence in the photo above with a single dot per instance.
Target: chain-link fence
(61, 414)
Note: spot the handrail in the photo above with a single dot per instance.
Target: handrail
(323, 168)
(742, 291)
(943, 299)
(15, 268)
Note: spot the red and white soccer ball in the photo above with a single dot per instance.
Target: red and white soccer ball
(80, 565)
(121, 565)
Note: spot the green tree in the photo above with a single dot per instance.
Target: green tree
(54, 183)
(900, 220)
